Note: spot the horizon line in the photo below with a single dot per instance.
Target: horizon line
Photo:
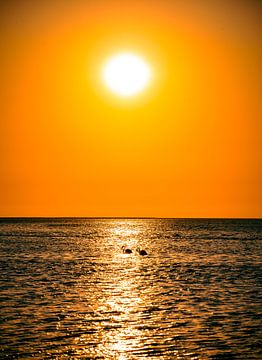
(129, 217)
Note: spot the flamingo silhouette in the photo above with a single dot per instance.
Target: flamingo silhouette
(141, 252)
(126, 250)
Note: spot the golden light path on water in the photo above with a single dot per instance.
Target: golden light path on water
(126, 301)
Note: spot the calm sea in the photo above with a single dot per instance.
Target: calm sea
(67, 290)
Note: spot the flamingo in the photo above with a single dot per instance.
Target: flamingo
(141, 252)
(126, 250)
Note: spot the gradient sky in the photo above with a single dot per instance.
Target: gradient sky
(188, 146)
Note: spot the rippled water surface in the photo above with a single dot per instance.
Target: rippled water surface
(68, 291)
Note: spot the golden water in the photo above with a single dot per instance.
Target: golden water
(67, 291)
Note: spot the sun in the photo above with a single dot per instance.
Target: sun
(126, 74)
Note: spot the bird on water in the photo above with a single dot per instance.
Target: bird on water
(141, 252)
(126, 250)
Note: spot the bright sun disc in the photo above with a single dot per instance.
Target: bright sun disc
(126, 74)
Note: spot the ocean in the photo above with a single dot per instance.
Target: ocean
(69, 291)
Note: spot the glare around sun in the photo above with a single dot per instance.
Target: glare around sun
(126, 74)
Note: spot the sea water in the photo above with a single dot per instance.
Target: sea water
(67, 290)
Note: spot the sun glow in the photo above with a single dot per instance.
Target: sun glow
(126, 74)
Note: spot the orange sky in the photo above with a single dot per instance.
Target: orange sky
(188, 146)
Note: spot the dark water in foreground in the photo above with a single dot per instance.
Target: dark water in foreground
(67, 291)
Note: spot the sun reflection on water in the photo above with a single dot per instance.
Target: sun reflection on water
(120, 300)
